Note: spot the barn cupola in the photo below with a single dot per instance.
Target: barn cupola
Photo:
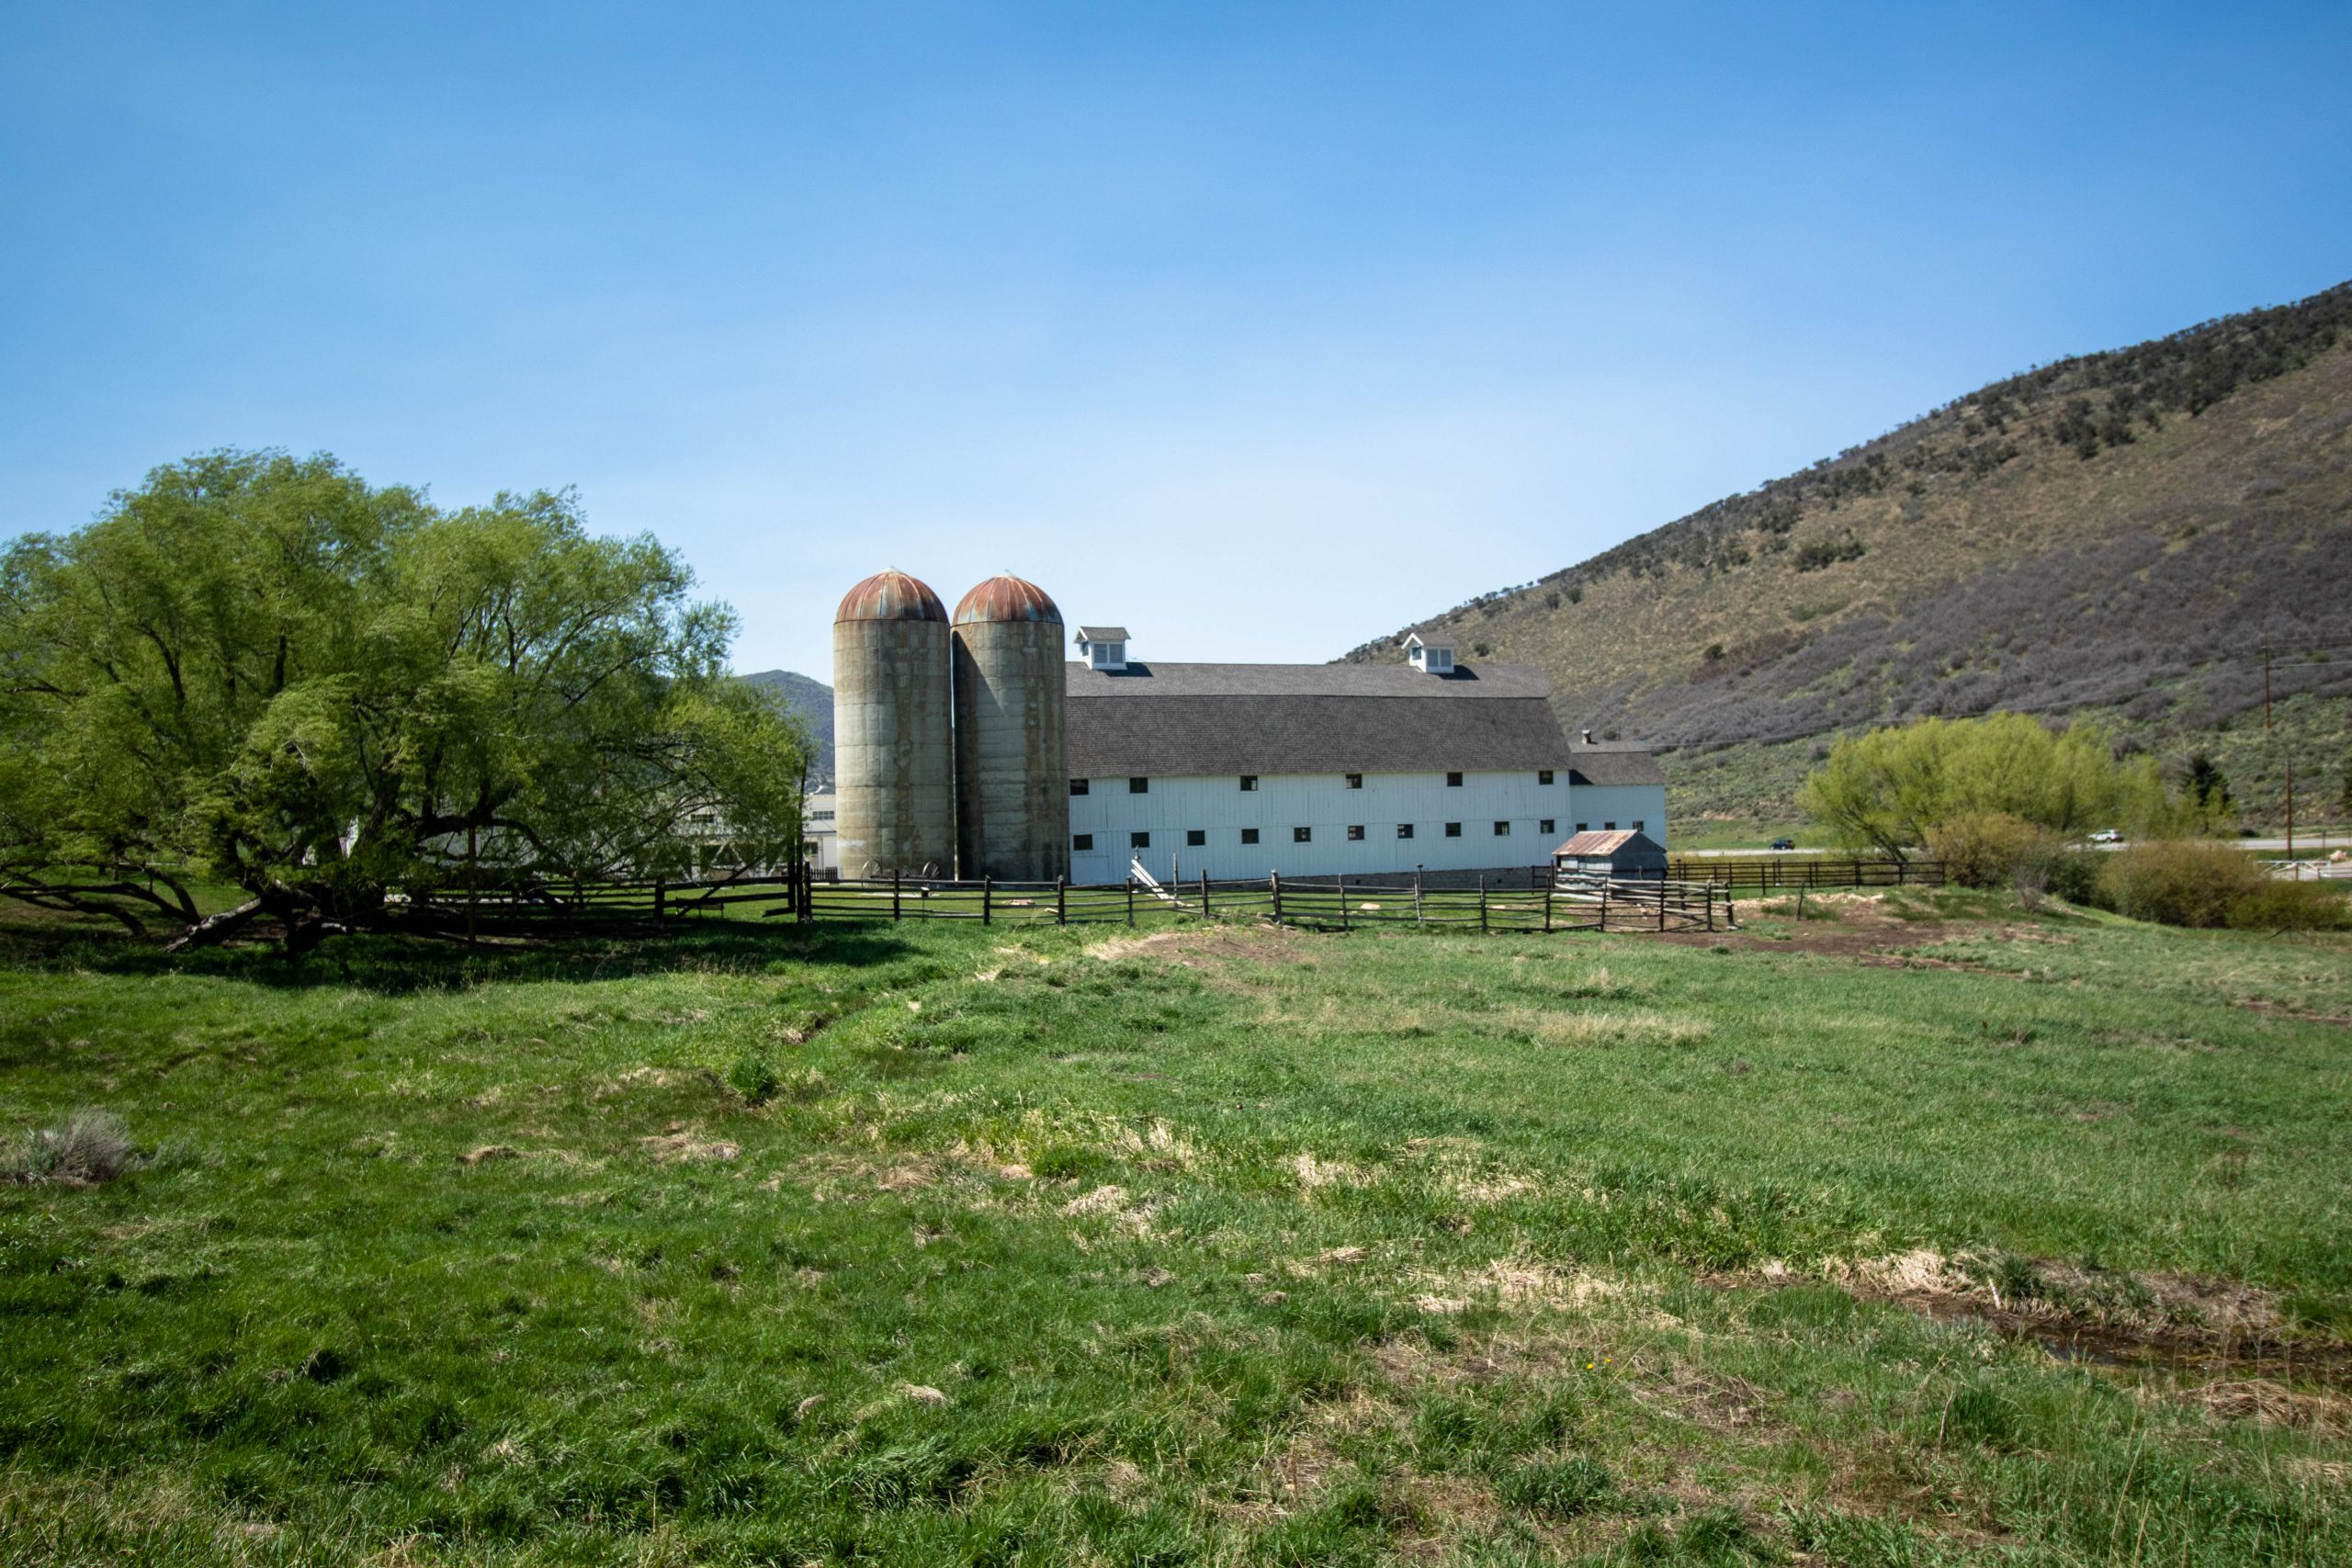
(1431, 656)
(1104, 647)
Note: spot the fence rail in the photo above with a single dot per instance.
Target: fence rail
(1333, 903)
(1770, 874)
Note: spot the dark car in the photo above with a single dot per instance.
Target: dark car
(1784, 843)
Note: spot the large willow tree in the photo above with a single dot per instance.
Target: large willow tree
(266, 671)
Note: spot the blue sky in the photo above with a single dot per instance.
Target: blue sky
(1261, 328)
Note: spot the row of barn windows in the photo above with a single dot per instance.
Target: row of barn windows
(1249, 782)
(1197, 838)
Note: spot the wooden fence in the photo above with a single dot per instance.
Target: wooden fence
(1322, 903)
(1768, 875)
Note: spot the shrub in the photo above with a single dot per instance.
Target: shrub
(2177, 884)
(1992, 848)
(2074, 876)
(88, 1146)
(2292, 907)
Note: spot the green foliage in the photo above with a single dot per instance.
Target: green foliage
(1993, 849)
(1889, 789)
(2178, 884)
(318, 690)
(2278, 906)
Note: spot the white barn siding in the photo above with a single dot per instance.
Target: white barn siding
(1218, 808)
(1599, 807)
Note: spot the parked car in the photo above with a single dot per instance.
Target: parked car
(2107, 836)
(1784, 843)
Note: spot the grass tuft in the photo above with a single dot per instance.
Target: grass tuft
(86, 1148)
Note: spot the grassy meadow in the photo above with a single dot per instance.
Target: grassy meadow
(1918, 1231)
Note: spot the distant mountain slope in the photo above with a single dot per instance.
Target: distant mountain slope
(2112, 534)
(813, 701)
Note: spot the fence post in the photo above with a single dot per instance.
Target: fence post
(1661, 906)
(1417, 894)
(661, 898)
(1205, 894)
(986, 893)
(1482, 906)
(1898, 871)
(1274, 881)
(895, 876)
(1711, 906)
(1131, 899)
(1343, 901)
(1604, 906)
(1547, 909)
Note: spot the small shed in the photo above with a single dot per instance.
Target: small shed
(1628, 852)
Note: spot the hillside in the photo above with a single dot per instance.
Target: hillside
(2111, 537)
(813, 702)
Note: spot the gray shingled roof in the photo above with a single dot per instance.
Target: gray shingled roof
(1612, 763)
(1200, 720)
(1102, 634)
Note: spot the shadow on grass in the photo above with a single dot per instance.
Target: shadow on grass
(399, 964)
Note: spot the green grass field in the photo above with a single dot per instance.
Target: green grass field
(1918, 1231)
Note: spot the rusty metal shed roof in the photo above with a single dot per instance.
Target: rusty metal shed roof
(891, 596)
(1005, 597)
(1599, 845)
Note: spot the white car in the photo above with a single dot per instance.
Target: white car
(2107, 836)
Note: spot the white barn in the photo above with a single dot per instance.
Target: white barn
(1310, 770)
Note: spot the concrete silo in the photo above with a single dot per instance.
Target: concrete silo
(1012, 734)
(893, 750)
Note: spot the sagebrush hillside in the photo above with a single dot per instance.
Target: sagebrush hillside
(2109, 536)
(812, 702)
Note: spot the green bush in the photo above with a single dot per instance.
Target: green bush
(2074, 876)
(2293, 906)
(1990, 849)
(2177, 883)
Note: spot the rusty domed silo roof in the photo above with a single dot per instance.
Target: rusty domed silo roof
(1005, 597)
(891, 596)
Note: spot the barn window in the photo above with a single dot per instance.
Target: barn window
(1138, 786)
(1355, 834)
(1078, 786)
(1355, 781)
(1195, 837)
(1454, 829)
(1248, 783)
(1608, 827)
(1543, 776)
(1302, 835)
(1138, 841)
(1404, 830)
(1582, 827)
(1454, 781)
(1547, 827)
(1248, 835)
(1639, 824)
(1502, 830)
(1081, 843)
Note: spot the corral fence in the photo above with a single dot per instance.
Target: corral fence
(1333, 903)
(1772, 875)
(1336, 902)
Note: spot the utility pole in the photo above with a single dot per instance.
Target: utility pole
(2269, 743)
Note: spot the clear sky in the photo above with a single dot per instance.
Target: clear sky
(1262, 329)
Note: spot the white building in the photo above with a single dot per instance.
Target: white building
(1239, 770)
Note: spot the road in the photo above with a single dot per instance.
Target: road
(2316, 843)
